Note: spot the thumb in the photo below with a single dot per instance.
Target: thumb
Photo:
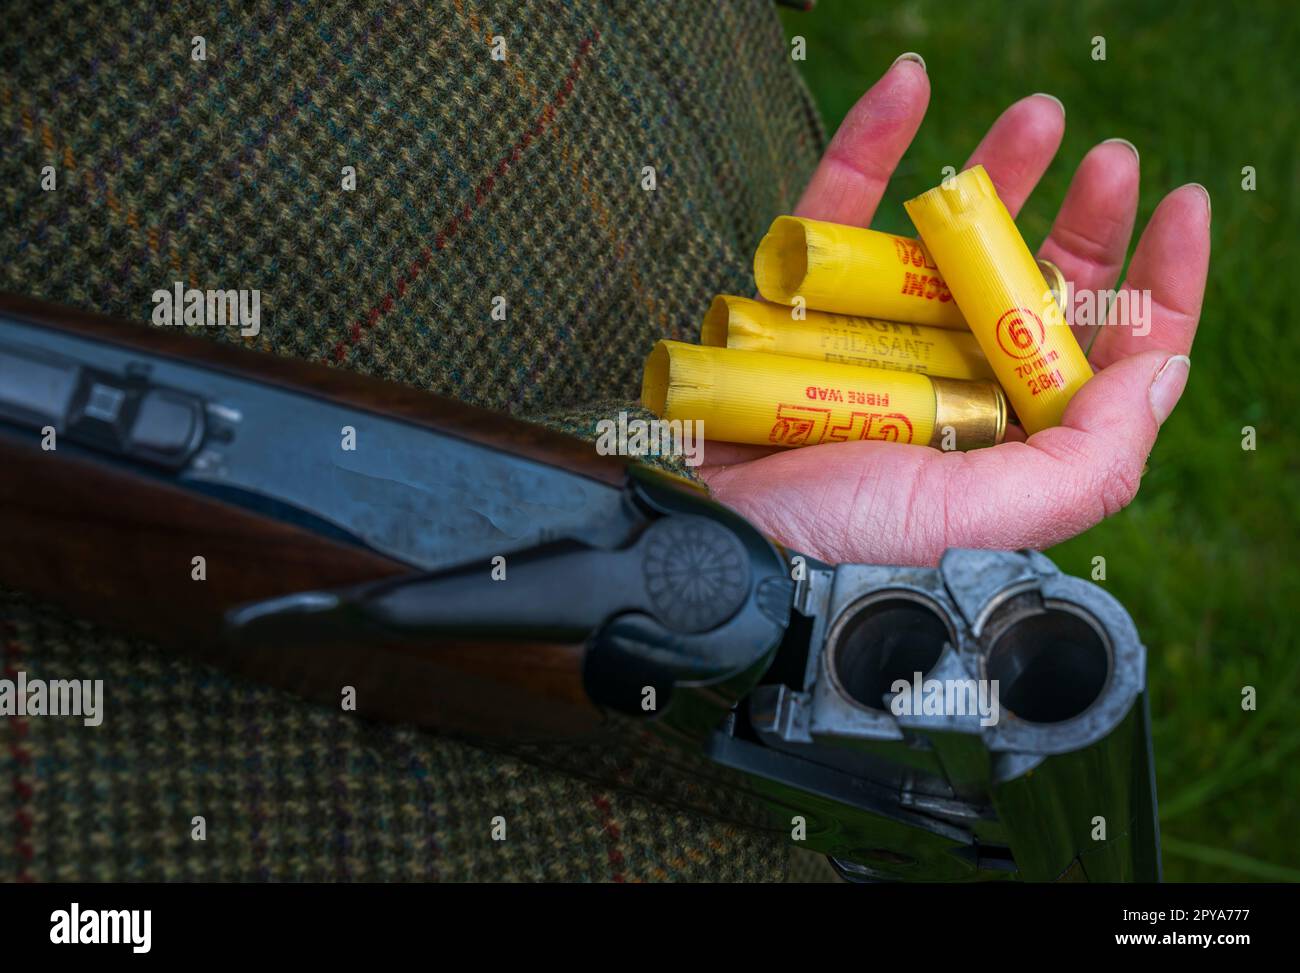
(1109, 429)
(1127, 403)
(1064, 479)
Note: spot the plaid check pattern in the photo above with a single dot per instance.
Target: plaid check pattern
(476, 178)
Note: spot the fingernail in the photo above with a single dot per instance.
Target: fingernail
(1059, 104)
(1132, 148)
(1167, 386)
(911, 56)
(1206, 193)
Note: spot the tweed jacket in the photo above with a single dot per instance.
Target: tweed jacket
(476, 177)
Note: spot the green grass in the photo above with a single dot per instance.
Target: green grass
(1206, 558)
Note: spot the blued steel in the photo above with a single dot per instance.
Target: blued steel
(281, 451)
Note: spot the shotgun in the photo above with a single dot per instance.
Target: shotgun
(317, 529)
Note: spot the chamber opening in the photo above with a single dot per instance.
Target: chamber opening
(717, 322)
(781, 262)
(654, 383)
(1050, 666)
(882, 641)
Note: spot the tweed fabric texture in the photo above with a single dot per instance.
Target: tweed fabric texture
(476, 178)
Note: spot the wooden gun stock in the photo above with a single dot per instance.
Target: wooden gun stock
(116, 545)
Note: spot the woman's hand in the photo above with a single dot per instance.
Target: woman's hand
(887, 503)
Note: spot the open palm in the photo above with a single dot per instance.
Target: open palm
(888, 503)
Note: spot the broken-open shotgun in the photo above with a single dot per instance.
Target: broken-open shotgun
(491, 578)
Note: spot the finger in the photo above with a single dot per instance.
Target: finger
(1159, 305)
(1070, 477)
(1092, 230)
(1020, 146)
(884, 503)
(852, 175)
(1064, 479)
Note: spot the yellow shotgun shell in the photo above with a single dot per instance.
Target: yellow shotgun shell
(851, 270)
(1000, 288)
(748, 325)
(774, 400)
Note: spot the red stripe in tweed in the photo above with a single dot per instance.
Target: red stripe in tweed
(612, 835)
(481, 192)
(22, 758)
